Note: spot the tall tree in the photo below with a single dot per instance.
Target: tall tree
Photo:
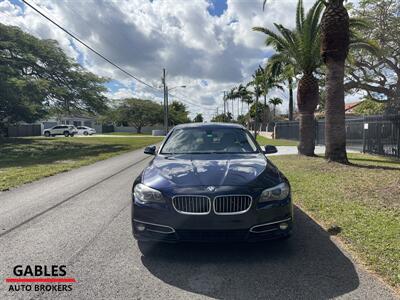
(225, 118)
(275, 102)
(232, 95)
(198, 118)
(138, 113)
(284, 72)
(335, 41)
(377, 73)
(36, 76)
(178, 113)
(243, 95)
(300, 49)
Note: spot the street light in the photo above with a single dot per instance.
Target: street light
(175, 87)
(166, 90)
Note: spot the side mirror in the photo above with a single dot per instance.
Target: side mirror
(269, 149)
(151, 150)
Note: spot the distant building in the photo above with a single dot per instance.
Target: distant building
(68, 120)
(348, 110)
(349, 107)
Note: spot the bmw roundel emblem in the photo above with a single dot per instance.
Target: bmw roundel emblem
(211, 188)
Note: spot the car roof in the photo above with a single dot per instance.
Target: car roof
(209, 125)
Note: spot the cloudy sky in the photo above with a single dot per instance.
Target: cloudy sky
(207, 45)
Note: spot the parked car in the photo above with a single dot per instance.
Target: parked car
(66, 130)
(211, 182)
(86, 130)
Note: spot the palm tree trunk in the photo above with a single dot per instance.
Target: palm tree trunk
(290, 81)
(335, 130)
(256, 116)
(264, 123)
(238, 108)
(307, 100)
(248, 112)
(335, 36)
(306, 134)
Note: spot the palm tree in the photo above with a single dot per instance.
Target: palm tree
(284, 72)
(225, 99)
(275, 101)
(335, 42)
(300, 49)
(242, 93)
(263, 81)
(338, 35)
(232, 95)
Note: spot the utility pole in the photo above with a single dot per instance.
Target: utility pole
(163, 79)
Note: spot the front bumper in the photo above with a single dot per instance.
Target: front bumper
(155, 223)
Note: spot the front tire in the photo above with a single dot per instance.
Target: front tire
(85, 133)
(66, 133)
(72, 135)
(47, 134)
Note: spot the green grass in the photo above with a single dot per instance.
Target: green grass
(125, 133)
(361, 201)
(24, 160)
(266, 141)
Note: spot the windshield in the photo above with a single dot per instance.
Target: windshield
(209, 140)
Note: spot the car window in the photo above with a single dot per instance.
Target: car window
(209, 140)
(81, 127)
(56, 127)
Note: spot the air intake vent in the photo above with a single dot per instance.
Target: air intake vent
(232, 204)
(192, 205)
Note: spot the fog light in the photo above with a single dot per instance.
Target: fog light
(140, 227)
(283, 226)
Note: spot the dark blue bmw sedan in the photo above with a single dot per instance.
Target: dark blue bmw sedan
(211, 182)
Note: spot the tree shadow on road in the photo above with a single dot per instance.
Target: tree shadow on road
(306, 266)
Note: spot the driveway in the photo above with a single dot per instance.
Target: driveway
(82, 219)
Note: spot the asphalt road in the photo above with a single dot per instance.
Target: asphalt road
(82, 219)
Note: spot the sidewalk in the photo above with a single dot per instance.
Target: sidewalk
(290, 150)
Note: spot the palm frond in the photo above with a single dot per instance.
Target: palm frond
(370, 46)
(358, 23)
(273, 38)
(299, 15)
(288, 35)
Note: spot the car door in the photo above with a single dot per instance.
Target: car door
(55, 130)
(62, 129)
(81, 129)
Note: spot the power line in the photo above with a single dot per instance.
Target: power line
(105, 58)
(181, 97)
(185, 101)
(90, 48)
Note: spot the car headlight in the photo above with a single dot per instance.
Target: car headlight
(146, 194)
(279, 192)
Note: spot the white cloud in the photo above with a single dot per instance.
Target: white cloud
(145, 36)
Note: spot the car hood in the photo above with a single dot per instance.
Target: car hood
(211, 170)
